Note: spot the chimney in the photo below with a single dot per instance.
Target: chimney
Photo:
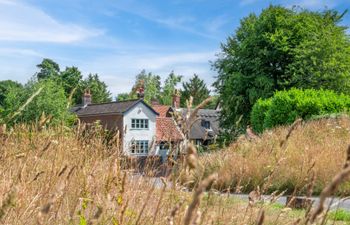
(87, 97)
(176, 99)
(154, 102)
(140, 90)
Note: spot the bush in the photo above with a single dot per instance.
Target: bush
(286, 106)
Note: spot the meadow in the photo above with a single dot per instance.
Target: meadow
(71, 176)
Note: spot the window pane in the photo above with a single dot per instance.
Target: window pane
(146, 124)
(146, 146)
(141, 123)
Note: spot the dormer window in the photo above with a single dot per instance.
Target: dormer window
(206, 124)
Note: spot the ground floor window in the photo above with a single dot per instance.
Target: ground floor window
(139, 147)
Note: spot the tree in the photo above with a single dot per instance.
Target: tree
(5, 87)
(48, 68)
(71, 81)
(169, 88)
(98, 88)
(280, 49)
(123, 96)
(51, 101)
(151, 84)
(196, 88)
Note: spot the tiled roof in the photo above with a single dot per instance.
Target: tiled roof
(161, 109)
(167, 130)
(118, 107)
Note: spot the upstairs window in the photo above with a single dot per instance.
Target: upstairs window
(139, 147)
(206, 124)
(139, 123)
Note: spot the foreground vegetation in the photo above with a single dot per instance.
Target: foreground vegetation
(64, 176)
(289, 157)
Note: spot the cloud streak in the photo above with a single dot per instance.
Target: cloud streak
(25, 23)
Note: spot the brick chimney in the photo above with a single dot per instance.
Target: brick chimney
(140, 90)
(176, 99)
(87, 99)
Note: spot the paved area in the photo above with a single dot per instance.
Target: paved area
(335, 202)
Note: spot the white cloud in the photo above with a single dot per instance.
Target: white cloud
(21, 22)
(214, 25)
(119, 70)
(19, 51)
(179, 22)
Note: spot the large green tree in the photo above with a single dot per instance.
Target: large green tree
(279, 49)
(196, 88)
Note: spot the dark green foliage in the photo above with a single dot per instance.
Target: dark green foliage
(287, 106)
(51, 101)
(277, 50)
(48, 69)
(196, 88)
(98, 88)
(71, 80)
(54, 99)
(5, 87)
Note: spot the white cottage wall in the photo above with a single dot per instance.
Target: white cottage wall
(140, 111)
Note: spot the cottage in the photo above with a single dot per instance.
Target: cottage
(144, 130)
(205, 128)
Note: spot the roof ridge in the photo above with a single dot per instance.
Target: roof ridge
(104, 103)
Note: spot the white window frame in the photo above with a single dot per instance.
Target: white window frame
(140, 124)
(139, 147)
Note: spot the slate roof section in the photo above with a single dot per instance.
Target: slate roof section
(167, 130)
(118, 107)
(200, 132)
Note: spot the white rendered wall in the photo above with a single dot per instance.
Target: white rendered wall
(140, 111)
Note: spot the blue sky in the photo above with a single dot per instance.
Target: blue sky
(119, 38)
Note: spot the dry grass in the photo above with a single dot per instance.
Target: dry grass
(59, 176)
(314, 151)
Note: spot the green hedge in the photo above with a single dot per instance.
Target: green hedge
(286, 106)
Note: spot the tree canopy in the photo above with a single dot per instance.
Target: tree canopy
(196, 88)
(169, 88)
(54, 92)
(279, 49)
(5, 87)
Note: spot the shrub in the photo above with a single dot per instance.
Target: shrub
(259, 113)
(286, 106)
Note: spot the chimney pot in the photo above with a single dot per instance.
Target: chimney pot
(176, 99)
(87, 99)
